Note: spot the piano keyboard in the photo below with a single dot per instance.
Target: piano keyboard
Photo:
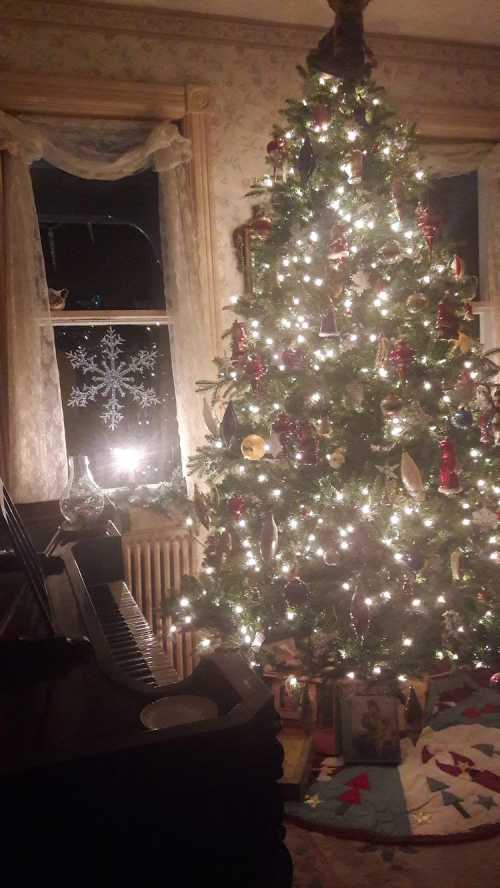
(134, 647)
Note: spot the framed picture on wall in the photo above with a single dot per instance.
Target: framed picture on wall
(370, 730)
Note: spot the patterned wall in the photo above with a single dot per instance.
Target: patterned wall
(250, 66)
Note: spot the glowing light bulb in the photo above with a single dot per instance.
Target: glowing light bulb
(127, 459)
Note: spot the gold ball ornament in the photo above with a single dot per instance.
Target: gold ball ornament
(416, 302)
(336, 459)
(253, 447)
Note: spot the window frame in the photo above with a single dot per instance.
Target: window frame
(190, 106)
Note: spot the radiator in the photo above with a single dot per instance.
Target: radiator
(154, 565)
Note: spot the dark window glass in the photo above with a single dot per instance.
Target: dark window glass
(101, 240)
(456, 199)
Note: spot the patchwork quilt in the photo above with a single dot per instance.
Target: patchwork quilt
(446, 788)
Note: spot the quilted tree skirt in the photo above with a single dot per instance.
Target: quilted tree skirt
(446, 790)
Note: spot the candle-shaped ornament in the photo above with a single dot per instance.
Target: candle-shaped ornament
(448, 478)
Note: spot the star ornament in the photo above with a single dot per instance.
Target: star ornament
(389, 472)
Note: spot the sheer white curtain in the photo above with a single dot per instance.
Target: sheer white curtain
(93, 150)
(34, 457)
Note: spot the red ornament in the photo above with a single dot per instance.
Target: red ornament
(448, 477)
(338, 249)
(464, 388)
(457, 268)
(308, 444)
(486, 432)
(276, 148)
(428, 223)
(261, 227)
(328, 326)
(401, 357)
(286, 427)
(321, 115)
(239, 341)
(468, 312)
(294, 359)
(256, 370)
(390, 252)
(277, 153)
(447, 325)
(495, 679)
(237, 506)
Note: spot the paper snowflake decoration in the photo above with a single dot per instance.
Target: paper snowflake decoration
(112, 378)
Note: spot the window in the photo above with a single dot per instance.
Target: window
(456, 199)
(101, 246)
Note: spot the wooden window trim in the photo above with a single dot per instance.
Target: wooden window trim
(141, 317)
(189, 105)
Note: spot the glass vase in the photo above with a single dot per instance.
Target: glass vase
(83, 501)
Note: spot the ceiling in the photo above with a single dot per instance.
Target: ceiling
(470, 21)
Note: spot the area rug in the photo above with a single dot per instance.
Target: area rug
(330, 862)
(446, 790)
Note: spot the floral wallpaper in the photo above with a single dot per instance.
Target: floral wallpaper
(251, 68)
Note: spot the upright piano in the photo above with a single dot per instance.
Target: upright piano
(89, 792)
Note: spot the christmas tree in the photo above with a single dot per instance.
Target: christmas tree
(351, 465)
